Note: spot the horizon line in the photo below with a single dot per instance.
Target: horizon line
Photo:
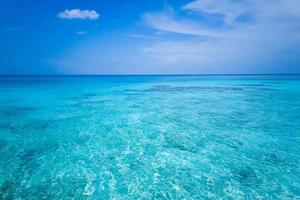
(209, 74)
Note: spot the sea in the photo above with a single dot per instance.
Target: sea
(150, 137)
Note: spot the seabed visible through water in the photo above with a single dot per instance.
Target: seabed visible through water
(150, 137)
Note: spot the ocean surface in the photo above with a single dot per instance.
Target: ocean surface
(150, 137)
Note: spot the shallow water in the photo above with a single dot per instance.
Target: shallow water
(150, 137)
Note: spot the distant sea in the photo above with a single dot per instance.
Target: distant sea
(150, 137)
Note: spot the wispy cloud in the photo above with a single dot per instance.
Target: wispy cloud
(227, 9)
(262, 41)
(78, 14)
(81, 32)
(144, 37)
(166, 21)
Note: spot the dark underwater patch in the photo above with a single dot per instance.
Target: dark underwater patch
(247, 176)
(253, 85)
(181, 147)
(180, 144)
(7, 189)
(9, 112)
(90, 94)
(29, 155)
(6, 127)
(276, 82)
(134, 106)
(38, 125)
(168, 88)
(83, 96)
(233, 145)
(32, 126)
(82, 140)
(272, 158)
(3, 144)
(95, 102)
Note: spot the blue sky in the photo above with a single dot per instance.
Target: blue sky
(149, 37)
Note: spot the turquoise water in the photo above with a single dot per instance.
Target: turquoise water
(150, 137)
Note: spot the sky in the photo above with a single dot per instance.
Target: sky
(149, 37)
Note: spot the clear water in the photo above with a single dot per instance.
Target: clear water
(150, 137)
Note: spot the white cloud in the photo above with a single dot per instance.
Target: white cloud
(78, 14)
